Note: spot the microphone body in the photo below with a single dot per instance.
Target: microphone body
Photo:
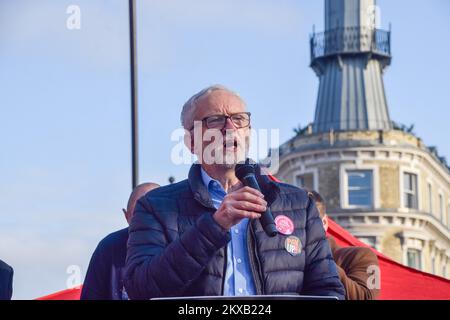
(246, 174)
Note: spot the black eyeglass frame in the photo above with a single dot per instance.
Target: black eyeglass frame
(225, 117)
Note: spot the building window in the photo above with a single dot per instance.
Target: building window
(433, 265)
(444, 270)
(430, 198)
(414, 258)
(441, 207)
(448, 216)
(359, 183)
(305, 181)
(410, 190)
(370, 241)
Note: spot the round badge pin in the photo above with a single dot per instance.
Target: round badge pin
(284, 225)
(293, 245)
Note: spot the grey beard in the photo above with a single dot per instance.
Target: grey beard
(230, 161)
(228, 166)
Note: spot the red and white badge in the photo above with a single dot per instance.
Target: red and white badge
(293, 245)
(284, 225)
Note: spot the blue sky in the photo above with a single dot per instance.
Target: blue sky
(64, 103)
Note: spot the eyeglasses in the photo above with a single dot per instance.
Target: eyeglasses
(240, 120)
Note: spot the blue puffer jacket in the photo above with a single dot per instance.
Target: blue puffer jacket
(175, 247)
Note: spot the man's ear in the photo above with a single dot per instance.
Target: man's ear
(325, 222)
(125, 213)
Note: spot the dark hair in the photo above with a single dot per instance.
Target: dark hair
(320, 203)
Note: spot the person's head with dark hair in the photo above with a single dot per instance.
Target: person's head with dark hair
(137, 193)
(321, 207)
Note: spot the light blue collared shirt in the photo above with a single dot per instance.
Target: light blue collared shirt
(238, 276)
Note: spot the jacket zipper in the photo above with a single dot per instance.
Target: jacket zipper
(254, 259)
(225, 258)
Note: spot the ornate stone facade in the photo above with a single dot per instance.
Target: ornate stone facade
(418, 230)
(379, 181)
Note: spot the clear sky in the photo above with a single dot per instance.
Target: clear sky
(64, 103)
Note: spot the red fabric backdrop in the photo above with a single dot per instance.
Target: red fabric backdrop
(398, 281)
(69, 294)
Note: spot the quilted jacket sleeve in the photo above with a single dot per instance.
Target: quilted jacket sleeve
(321, 276)
(157, 268)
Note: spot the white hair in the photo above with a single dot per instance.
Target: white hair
(190, 105)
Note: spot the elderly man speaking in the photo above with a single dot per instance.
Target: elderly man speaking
(202, 237)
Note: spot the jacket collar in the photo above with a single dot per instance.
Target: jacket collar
(197, 186)
(269, 188)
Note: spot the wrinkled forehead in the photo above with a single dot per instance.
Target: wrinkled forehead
(218, 102)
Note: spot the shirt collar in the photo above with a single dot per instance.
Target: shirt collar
(210, 183)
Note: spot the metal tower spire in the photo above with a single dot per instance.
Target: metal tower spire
(349, 58)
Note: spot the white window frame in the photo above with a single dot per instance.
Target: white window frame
(343, 183)
(313, 171)
(420, 257)
(430, 209)
(414, 242)
(415, 171)
(367, 237)
(448, 215)
(441, 206)
(433, 265)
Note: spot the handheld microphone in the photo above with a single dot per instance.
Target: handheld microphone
(245, 172)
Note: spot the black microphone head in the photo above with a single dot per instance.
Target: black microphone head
(243, 169)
